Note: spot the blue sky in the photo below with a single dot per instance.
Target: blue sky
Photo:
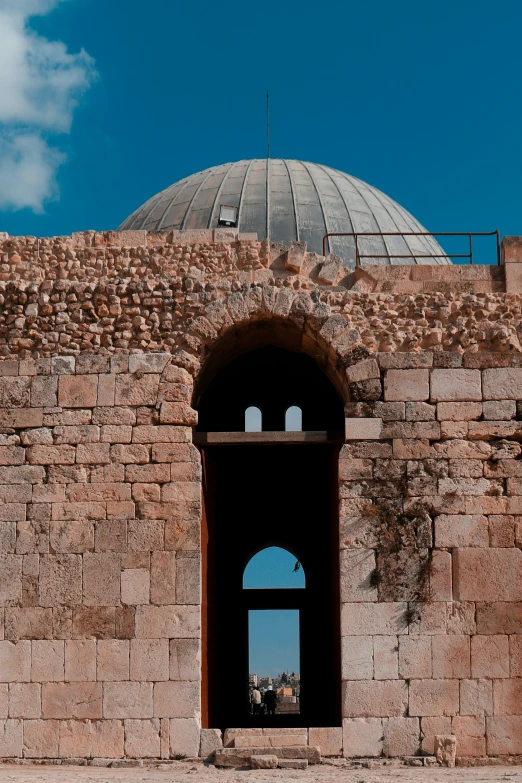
(273, 634)
(421, 99)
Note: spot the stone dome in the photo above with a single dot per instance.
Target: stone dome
(288, 200)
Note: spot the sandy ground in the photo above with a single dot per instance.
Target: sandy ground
(196, 773)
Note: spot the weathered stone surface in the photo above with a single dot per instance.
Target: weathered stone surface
(504, 570)
(374, 698)
(265, 761)
(362, 737)
(402, 385)
(455, 385)
(210, 741)
(434, 697)
(445, 750)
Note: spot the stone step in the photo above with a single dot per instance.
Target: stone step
(240, 757)
(293, 763)
(271, 740)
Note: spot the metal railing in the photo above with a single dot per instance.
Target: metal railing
(361, 256)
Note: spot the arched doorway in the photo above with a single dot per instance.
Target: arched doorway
(269, 486)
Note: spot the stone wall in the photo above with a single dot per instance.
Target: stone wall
(104, 343)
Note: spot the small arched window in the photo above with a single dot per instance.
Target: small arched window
(273, 568)
(253, 419)
(294, 419)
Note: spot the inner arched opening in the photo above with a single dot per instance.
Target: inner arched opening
(273, 568)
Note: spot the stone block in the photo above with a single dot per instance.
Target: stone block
(461, 530)
(44, 391)
(502, 383)
(431, 698)
(402, 736)
(93, 622)
(145, 535)
(177, 699)
(80, 660)
(445, 747)
(149, 660)
(77, 391)
(11, 739)
(25, 700)
(167, 622)
(328, 739)
(507, 696)
(24, 417)
(459, 411)
(264, 761)
(210, 741)
(386, 619)
(72, 700)
(107, 739)
(127, 700)
(101, 579)
(374, 698)
(185, 659)
(178, 413)
(185, 738)
(51, 455)
(47, 661)
(515, 655)
(363, 429)
(415, 657)
(356, 568)
(456, 385)
(114, 433)
(113, 660)
(71, 536)
(404, 385)
(93, 453)
(356, 658)
(501, 530)
(41, 739)
(476, 697)
(188, 578)
(385, 658)
(75, 739)
(159, 473)
(15, 661)
(411, 448)
(10, 579)
(142, 738)
(499, 410)
(133, 390)
(504, 735)
(362, 737)
(14, 392)
(163, 577)
(441, 581)
(420, 411)
(451, 656)
(504, 570)
(135, 586)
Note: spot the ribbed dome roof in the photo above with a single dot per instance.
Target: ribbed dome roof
(290, 200)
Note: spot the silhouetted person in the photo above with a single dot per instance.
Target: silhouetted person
(270, 701)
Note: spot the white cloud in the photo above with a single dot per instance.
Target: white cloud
(40, 86)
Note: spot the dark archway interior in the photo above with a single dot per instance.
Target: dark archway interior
(272, 379)
(270, 495)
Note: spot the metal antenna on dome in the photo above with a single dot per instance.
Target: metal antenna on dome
(268, 124)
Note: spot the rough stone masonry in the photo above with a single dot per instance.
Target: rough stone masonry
(102, 338)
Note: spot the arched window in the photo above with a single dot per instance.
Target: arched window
(294, 419)
(273, 568)
(253, 419)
